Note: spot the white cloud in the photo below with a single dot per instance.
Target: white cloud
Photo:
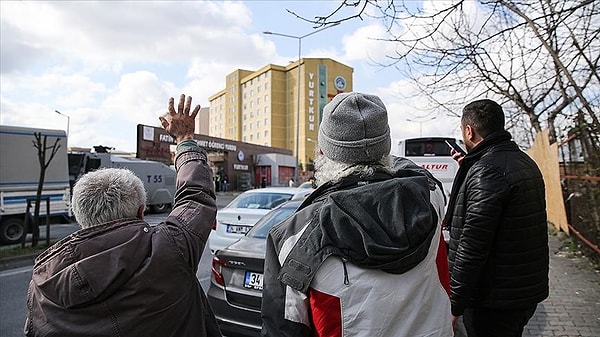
(112, 65)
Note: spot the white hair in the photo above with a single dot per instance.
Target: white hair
(107, 194)
(328, 170)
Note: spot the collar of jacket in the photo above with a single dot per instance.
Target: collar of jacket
(492, 140)
(348, 182)
(401, 168)
(356, 226)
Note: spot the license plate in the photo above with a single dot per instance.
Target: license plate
(237, 229)
(253, 280)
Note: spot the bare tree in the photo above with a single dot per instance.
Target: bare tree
(538, 58)
(40, 143)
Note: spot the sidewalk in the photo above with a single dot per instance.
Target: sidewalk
(573, 307)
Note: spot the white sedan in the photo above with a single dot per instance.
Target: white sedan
(236, 219)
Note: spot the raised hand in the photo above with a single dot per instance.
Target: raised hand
(181, 124)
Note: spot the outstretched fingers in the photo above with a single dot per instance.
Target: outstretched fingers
(171, 106)
(180, 109)
(164, 122)
(188, 104)
(195, 112)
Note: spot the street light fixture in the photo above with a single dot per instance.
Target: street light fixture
(299, 38)
(420, 124)
(68, 125)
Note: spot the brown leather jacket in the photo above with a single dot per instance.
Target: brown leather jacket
(126, 278)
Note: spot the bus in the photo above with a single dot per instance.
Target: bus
(433, 154)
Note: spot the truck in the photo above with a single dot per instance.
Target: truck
(158, 178)
(19, 178)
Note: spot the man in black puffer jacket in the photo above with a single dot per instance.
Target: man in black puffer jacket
(498, 253)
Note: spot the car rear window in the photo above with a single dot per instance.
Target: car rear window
(262, 228)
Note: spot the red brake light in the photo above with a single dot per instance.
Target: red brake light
(217, 266)
(214, 225)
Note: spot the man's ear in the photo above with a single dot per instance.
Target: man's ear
(470, 133)
(141, 212)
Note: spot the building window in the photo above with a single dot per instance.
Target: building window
(266, 98)
(266, 85)
(258, 101)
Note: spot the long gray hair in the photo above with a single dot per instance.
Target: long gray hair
(328, 170)
(107, 194)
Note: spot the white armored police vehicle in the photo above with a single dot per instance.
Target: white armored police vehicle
(158, 178)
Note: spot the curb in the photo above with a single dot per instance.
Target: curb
(17, 262)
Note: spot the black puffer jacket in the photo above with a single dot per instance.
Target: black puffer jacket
(499, 235)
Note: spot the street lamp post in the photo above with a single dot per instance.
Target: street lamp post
(299, 38)
(420, 124)
(68, 125)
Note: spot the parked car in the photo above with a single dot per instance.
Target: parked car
(236, 219)
(235, 291)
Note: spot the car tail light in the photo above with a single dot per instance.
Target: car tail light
(214, 225)
(217, 269)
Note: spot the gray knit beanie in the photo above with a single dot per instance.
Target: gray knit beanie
(355, 129)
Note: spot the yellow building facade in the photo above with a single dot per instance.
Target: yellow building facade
(261, 107)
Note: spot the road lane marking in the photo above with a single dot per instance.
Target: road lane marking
(16, 271)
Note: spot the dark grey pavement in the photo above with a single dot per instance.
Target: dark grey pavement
(573, 307)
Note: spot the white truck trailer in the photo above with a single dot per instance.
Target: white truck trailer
(19, 177)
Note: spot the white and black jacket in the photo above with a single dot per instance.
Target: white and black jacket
(359, 259)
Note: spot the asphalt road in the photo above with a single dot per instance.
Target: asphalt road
(14, 282)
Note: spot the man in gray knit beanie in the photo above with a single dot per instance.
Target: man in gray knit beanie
(355, 129)
(365, 242)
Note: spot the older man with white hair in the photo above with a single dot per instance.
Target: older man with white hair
(119, 276)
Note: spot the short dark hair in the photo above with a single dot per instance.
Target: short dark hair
(485, 116)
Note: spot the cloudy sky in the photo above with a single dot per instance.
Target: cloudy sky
(112, 65)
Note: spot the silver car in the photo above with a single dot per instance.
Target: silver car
(238, 217)
(235, 291)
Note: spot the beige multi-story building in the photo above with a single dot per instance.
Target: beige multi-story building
(261, 107)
